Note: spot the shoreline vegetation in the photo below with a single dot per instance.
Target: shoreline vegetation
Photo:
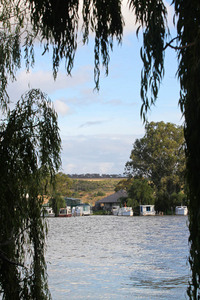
(90, 188)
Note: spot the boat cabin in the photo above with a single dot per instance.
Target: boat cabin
(181, 210)
(82, 209)
(147, 210)
(86, 209)
(65, 212)
(47, 212)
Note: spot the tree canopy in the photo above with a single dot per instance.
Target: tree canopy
(55, 24)
(140, 192)
(159, 154)
(58, 190)
(159, 157)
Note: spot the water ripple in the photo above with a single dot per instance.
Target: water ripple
(108, 257)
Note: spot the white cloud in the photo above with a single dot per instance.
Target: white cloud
(129, 18)
(61, 108)
(97, 153)
(70, 168)
(91, 123)
(115, 102)
(43, 79)
(170, 11)
(85, 97)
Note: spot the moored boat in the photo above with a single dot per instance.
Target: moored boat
(86, 209)
(125, 211)
(65, 212)
(181, 210)
(122, 211)
(115, 210)
(47, 212)
(83, 209)
(77, 211)
(147, 210)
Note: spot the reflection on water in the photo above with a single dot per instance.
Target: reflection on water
(108, 257)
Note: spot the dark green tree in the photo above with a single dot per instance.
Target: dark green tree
(173, 192)
(123, 184)
(55, 23)
(159, 156)
(56, 202)
(29, 150)
(59, 190)
(62, 185)
(140, 192)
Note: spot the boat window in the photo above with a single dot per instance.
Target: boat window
(148, 208)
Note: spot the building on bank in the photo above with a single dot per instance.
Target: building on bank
(111, 201)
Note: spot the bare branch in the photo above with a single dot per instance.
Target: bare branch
(177, 47)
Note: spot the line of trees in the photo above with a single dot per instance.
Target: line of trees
(94, 175)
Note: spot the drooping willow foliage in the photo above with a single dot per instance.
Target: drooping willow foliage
(55, 24)
(188, 30)
(29, 151)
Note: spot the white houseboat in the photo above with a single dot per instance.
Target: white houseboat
(122, 211)
(77, 211)
(147, 210)
(115, 210)
(47, 212)
(86, 209)
(83, 209)
(181, 210)
(125, 211)
(65, 212)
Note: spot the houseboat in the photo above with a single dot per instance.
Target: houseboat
(125, 211)
(86, 209)
(122, 211)
(77, 211)
(115, 210)
(147, 210)
(181, 210)
(47, 212)
(65, 212)
(83, 209)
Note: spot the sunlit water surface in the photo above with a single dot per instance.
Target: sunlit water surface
(110, 257)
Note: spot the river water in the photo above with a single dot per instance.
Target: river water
(112, 257)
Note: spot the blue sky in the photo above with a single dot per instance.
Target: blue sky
(98, 129)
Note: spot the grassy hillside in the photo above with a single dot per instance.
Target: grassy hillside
(91, 190)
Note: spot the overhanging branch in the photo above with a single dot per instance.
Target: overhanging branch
(177, 47)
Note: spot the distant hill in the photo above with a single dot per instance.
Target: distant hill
(89, 190)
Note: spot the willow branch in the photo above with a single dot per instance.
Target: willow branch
(14, 237)
(5, 258)
(14, 15)
(177, 47)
